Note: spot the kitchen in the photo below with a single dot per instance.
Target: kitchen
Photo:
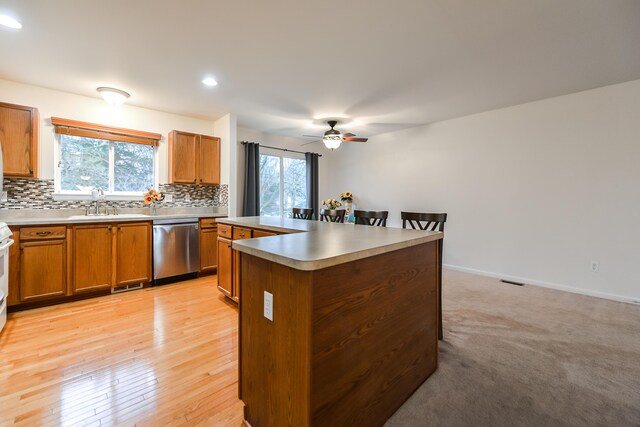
(157, 159)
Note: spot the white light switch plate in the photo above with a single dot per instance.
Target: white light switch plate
(268, 305)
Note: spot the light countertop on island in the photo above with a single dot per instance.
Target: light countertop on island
(314, 245)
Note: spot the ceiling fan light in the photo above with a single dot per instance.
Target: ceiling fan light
(332, 141)
(113, 96)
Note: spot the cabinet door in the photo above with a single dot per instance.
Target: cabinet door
(19, 139)
(183, 148)
(208, 249)
(133, 253)
(42, 269)
(235, 294)
(92, 260)
(225, 266)
(209, 160)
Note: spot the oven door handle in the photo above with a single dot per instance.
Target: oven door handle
(6, 245)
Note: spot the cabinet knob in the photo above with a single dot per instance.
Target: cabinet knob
(109, 228)
(194, 180)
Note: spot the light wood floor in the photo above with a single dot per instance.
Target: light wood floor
(160, 356)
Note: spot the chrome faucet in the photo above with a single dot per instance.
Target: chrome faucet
(97, 194)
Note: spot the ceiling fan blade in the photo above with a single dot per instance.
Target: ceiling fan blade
(312, 142)
(348, 135)
(355, 139)
(312, 136)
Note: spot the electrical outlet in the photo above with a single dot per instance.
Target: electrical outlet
(4, 197)
(168, 197)
(595, 266)
(268, 305)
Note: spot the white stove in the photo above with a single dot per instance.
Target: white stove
(5, 242)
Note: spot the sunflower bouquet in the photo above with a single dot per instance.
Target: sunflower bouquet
(332, 204)
(152, 196)
(347, 197)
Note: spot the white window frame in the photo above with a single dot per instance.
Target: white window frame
(282, 155)
(109, 195)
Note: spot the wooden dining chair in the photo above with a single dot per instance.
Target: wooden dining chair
(332, 215)
(429, 222)
(302, 213)
(375, 218)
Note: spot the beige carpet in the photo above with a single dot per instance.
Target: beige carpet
(529, 356)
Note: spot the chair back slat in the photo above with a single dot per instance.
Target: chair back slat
(424, 221)
(302, 213)
(373, 218)
(332, 215)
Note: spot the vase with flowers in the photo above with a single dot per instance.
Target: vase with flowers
(332, 204)
(347, 198)
(152, 198)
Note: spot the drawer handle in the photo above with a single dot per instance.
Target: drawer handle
(43, 233)
(241, 234)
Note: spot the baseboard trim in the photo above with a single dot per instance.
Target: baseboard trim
(613, 297)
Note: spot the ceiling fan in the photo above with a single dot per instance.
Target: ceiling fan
(333, 137)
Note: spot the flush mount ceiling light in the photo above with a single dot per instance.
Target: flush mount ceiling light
(209, 81)
(9, 22)
(113, 96)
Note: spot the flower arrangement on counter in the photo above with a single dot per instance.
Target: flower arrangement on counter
(332, 204)
(347, 196)
(152, 196)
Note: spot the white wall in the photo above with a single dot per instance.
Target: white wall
(533, 192)
(252, 135)
(95, 110)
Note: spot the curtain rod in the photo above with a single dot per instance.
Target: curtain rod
(281, 149)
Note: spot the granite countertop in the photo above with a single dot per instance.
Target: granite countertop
(72, 216)
(314, 245)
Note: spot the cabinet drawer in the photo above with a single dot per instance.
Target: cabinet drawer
(224, 230)
(261, 233)
(42, 233)
(241, 233)
(208, 223)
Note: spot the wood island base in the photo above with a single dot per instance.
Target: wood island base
(348, 344)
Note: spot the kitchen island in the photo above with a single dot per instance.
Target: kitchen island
(338, 322)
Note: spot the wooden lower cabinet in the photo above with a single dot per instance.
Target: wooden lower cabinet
(133, 253)
(53, 262)
(225, 265)
(92, 257)
(208, 249)
(229, 261)
(43, 270)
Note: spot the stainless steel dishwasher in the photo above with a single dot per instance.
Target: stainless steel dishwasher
(175, 248)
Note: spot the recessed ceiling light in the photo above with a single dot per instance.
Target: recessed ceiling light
(210, 81)
(113, 96)
(9, 22)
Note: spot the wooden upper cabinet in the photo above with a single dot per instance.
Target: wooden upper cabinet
(92, 257)
(209, 160)
(193, 158)
(133, 263)
(19, 139)
(182, 157)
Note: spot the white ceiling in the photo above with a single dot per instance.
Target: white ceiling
(282, 63)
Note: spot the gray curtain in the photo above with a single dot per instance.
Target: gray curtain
(251, 205)
(312, 182)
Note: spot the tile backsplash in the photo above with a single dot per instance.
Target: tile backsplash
(26, 193)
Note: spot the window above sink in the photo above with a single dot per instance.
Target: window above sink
(122, 166)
